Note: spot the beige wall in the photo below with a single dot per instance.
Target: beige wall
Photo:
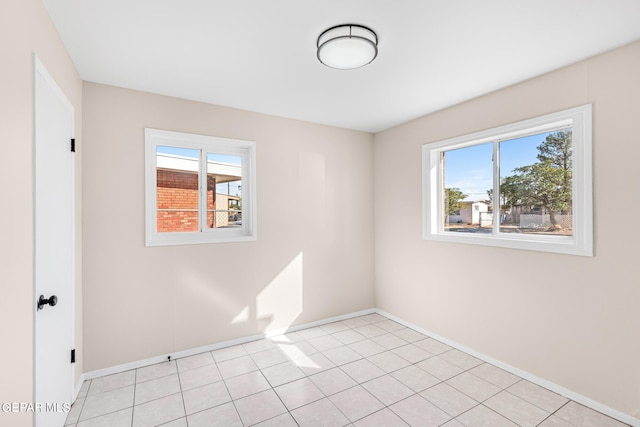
(314, 254)
(25, 28)
(571, 320)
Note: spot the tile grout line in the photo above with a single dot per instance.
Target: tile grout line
(81, 407)
(414, 393)
(385, 349)
(184, 406)
(135, 385)
(531, 403)
(83, 403)
(547, 417)
(107, 413)
(224, 382)
(384, 372)
(557, 410)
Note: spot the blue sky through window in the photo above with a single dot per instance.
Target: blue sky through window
(232, 188)
(186, 152)
(471, 168)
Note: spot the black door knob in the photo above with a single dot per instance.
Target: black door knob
(42, 301)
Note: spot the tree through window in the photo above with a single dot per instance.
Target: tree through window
(524, 185)
(538, 197)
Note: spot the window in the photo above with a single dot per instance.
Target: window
(526, 185)
(198, 189)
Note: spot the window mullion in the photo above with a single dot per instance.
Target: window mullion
(202, 191)
(441, 209)
(496, 187)
(245, 188)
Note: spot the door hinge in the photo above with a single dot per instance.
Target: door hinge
(73, 356)
(73, 145)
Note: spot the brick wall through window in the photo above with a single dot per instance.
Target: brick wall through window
(177, 200)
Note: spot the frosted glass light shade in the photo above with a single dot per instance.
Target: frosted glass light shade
(347, 46)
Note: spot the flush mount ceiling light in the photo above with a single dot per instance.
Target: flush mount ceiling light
(347, 46)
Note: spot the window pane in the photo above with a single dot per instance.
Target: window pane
(536, 184)
(224, 191)
(468, 180)
(176, 189)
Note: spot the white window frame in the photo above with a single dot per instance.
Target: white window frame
(205, 144)
(580, 243)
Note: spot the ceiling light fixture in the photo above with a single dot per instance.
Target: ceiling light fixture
(347, 46)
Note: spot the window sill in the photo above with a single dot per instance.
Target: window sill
(562, 245)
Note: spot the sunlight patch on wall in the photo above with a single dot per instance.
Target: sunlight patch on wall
(242, 317)
(280, 302)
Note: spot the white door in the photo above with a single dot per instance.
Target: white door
(54, 249)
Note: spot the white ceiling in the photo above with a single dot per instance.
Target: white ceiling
(260, 55)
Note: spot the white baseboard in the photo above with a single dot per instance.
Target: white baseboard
(569, 394)
(190, 352)
(590, 403)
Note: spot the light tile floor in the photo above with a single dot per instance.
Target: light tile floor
(364, 371)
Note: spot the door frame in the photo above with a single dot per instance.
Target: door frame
(40, 69)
